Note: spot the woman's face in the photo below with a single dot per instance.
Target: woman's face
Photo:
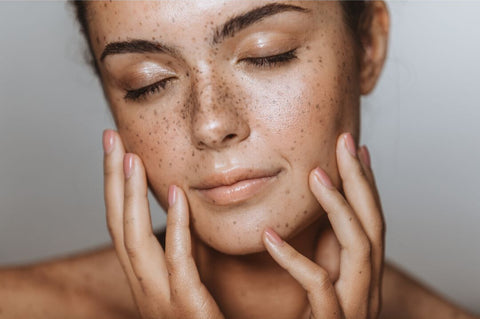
(233, 101)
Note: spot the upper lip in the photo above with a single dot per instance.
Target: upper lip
(232, 176)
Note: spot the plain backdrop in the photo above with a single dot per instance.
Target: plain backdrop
(422, 125)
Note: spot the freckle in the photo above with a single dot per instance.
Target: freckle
(317, 106)
(286, 225)
(287, 191)
(234, 222)
(218, 228)
(304, 212)
(278, 225)
(350, 219)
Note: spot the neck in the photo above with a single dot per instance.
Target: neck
(254, 285)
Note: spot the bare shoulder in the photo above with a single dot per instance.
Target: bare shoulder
(405, 297)
(83, 286)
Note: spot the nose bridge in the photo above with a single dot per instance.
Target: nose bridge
(216, 120)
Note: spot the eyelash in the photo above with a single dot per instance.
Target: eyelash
(271, 61)
(134, 95)
(262, 62)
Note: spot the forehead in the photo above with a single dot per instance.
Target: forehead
(174, 20)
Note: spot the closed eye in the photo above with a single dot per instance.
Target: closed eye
(272, 60)
(137, 94)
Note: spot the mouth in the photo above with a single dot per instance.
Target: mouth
(235, 186)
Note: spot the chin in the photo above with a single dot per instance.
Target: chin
(240, 232)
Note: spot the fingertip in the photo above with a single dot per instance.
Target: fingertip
(172, 195)
(108, 140)
(128, 165)
(364, 156)
(349, 144)
(271, 236)
(319, 177)
(178, 205)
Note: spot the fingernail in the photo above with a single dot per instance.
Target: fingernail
(365, 156)
(323, 178)
(350, 144)
(172, 195)
(273, 237)
(107, 141)
(128, 165)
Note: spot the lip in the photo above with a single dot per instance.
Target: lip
(235, 186)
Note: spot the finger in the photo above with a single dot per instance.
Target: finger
(355, 269)
(313, 278)
(362, 195)
(377, 254)
(365, 161)
(114, 193)
(144, 251)
(187, 291)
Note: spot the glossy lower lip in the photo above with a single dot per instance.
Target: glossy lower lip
(238, 192)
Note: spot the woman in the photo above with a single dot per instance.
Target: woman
(233, 116)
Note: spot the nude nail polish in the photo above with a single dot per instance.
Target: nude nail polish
(172, 195)
(273, 236)
(365, 156)
(108, 140)
(128, 165)
(350, 144)
(323, 178)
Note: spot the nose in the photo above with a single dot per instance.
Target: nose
(216, 121)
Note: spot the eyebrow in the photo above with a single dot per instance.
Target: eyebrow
(137, 46)
(229, 28)
(244, 20)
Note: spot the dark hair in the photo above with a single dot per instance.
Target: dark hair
(355, 15)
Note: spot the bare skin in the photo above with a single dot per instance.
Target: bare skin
(269, 102)
(93, 285)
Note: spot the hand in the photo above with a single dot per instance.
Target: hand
(359, 227)
(164, 284)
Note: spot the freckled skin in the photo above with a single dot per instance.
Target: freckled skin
(221, 112)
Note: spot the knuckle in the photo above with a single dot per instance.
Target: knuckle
(131, 250)
(109, 169)
(365, 248)
(321, 279)
(129, 194)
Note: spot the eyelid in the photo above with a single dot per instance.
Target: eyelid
(144, 74)
(265, 44)
(135, 95)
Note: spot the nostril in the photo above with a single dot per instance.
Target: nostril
(229, 137)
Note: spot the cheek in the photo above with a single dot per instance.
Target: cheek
(298, 125)
(159, 138)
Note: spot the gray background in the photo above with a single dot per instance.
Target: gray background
(421, 124)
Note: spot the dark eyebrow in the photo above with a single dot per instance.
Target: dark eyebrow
(244, 20)
(137, 46)
(228, 29)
